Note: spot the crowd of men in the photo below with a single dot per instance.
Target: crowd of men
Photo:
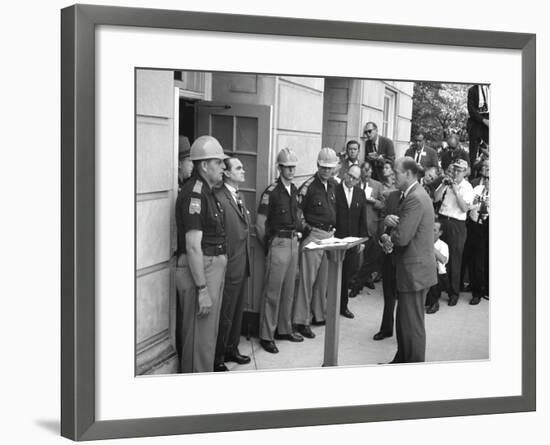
(426, 216)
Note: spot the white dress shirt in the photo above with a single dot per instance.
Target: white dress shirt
(449, 206)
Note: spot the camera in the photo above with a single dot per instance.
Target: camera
(447, 181)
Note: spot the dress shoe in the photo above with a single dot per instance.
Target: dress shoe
(305, 330)
(353, 293)
(237, 357)
(293, 337)
(432, 309)
(475, 300)
(318, 323)
(347, 313)
(220, 367)
(453, 300)
(381, 336)
(269, 346)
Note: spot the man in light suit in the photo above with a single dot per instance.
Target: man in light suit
(237, 222)
(411, 239)
(351, 220)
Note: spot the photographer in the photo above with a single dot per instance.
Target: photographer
(456, 196)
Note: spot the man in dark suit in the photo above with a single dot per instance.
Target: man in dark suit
(350, 158)
(422, 154)
(350, 221)
(377, 149)
(478, 123)
(411, 239)
(237, 222)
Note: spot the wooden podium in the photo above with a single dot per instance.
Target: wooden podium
(335, 253)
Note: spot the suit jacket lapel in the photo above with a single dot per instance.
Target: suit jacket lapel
(232, 202)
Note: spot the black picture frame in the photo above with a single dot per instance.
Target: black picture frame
(78, 25)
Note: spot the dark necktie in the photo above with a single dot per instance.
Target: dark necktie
(402, 197)
(239, 202)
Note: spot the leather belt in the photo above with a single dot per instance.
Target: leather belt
(286, 233)
(218, 249)
(325, 227)
(450, 218)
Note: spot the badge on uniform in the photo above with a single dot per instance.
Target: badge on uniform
(265, 199)
(195, 206)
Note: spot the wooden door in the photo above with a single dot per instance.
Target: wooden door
(244, 131)
(156, 189)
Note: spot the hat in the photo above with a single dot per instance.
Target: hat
(460, 163)
(184, 147)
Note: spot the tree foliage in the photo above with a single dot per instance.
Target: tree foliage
(439, 109)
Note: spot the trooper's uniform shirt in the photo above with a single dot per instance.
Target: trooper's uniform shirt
(318, 203)
(280, 208)
(198, 209)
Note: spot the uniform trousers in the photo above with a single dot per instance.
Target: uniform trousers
(454, 234)
(231, 315)
(409, 327)
(390, 294)
(199, 335)
(311, 294)
(280, 282)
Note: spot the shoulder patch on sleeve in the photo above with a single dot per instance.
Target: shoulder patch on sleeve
(265, 198)
(195, 206)
(303, 189)
(271, 187)
(198, 186)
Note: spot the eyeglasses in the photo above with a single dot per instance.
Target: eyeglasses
(369, 131)
(353, 178)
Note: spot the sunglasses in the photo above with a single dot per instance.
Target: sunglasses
(369, 131)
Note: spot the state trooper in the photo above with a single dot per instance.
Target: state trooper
(317, 203)
(277, 227)
(202, 257)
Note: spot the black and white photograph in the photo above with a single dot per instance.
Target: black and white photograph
(291, 222)
(274, 222)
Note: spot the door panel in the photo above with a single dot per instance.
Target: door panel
(244, 131)
(155, 194)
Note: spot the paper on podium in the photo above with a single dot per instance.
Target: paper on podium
(331, 242)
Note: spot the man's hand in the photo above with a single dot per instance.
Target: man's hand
(299, 235)
(391, 220)
(486, 122)
(387, 245)
(205, 302)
